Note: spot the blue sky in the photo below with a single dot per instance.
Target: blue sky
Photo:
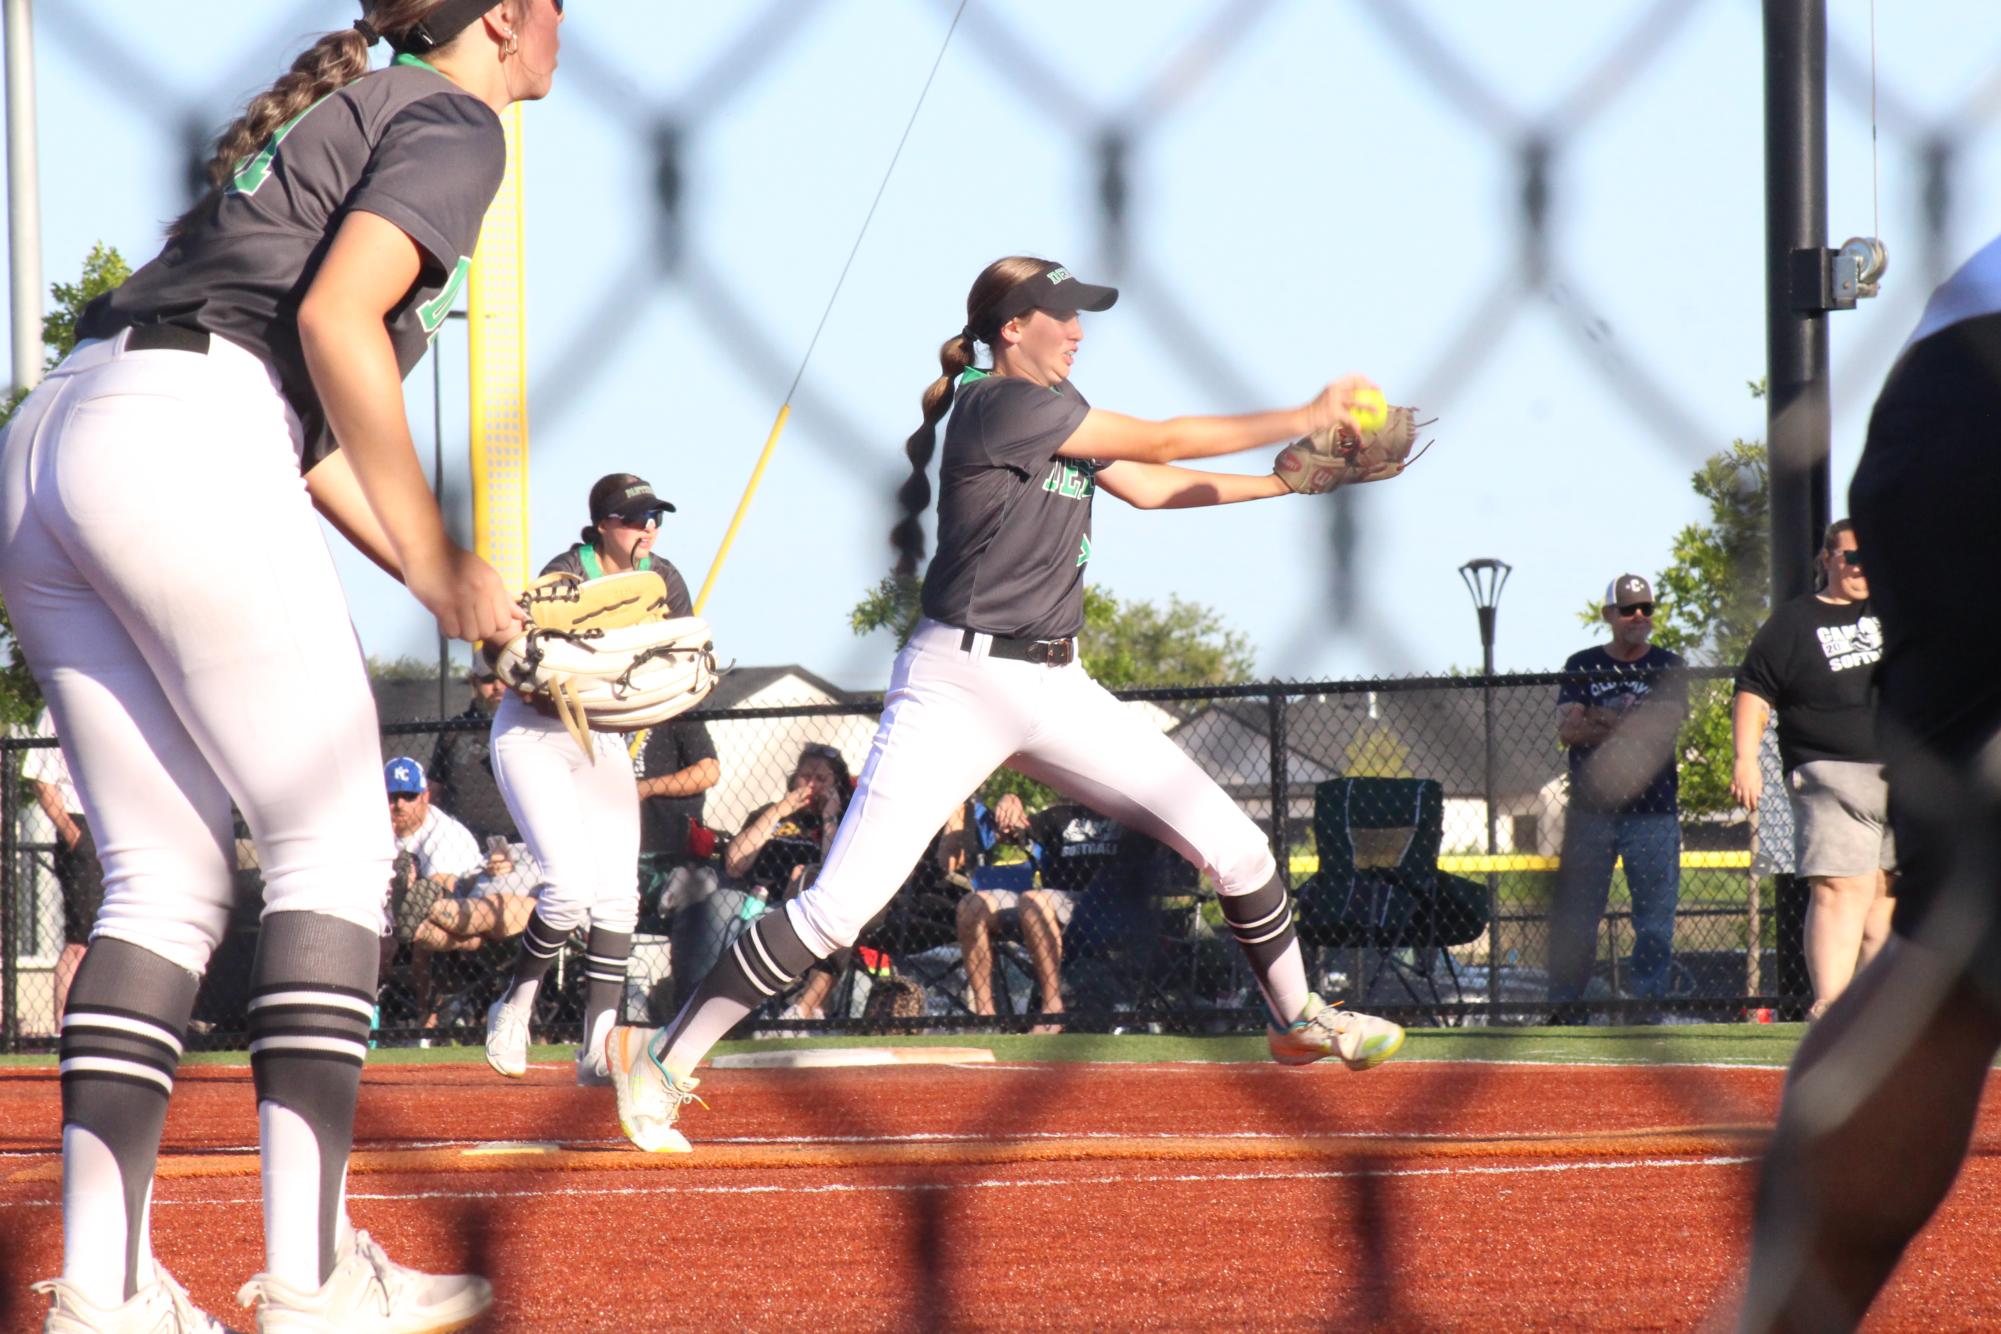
(1305, 198)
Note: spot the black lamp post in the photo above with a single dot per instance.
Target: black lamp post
(1485, 578)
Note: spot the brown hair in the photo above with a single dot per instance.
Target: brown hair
(954, 356)
(328, 65)
(1832, 541)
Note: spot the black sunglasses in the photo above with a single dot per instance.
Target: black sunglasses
(819, 751)
(1640, 608)
(559, 6)
(643, 519)
(1851, 558)
(404, 796)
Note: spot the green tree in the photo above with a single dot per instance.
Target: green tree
(1713, 596)
(1125, 643)
(103, 269)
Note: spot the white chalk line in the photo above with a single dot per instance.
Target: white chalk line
(985, 1183)
(960, 1137)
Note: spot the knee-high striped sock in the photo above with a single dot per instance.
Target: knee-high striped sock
(1262, 923)
(763, 962)
(310, 996)
(121, 1043)
(606, 954)
(540, 944)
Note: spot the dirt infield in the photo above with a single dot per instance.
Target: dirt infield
(1422, 1196)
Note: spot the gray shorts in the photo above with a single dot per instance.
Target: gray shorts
(1841, 818)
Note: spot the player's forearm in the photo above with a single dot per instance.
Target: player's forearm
(338, 496)
(1748, 714)
(696, 778)
(354, 369)
(1211, 437)
(1162, 487)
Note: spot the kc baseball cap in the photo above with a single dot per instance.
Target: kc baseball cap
(1054, 288)
(1628, 589)
(404, 774)
(622, 494)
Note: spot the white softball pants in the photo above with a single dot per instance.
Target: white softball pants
(952, 717)
(580, 820)
(174, 596)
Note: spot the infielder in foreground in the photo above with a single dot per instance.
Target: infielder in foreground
(254, 369)
(991, 675)
(1884, 1093)
(579, 813)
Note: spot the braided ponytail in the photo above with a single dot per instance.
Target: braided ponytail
(915, 494)
(328, 65)
(954, 356)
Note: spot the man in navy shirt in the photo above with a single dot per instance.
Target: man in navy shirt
(1617, 711)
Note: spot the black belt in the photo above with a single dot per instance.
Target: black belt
(166, 338)
(1048, 652)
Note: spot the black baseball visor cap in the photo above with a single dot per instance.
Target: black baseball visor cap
(625, 496)
(439, 26)
(1054, 288)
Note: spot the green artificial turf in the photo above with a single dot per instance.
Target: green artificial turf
(1699, 1044)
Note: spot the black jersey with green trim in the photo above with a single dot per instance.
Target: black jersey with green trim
(1014, 518)
(404, 143)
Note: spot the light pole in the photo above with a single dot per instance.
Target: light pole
(1485, 578)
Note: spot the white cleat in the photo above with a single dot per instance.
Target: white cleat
(1362, 1041)
(649, 1098)
(369, 1294)
(592, 1072)
(506, 1040)
(161, 1307)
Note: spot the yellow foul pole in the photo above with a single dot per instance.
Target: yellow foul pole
(496, 316)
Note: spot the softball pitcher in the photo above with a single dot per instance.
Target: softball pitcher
(253, 370)
(579, 814)
(991, 677)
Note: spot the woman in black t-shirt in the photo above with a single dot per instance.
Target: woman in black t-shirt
(248, 375)
(782, 843)
(1812, 663)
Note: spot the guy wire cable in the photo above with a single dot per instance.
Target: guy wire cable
(785, 408)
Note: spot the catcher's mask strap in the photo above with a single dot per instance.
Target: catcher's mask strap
(438, 27)
(1053, 288)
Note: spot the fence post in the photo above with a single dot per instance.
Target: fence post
(1275, 733)
(1493, 844)
(10, 933)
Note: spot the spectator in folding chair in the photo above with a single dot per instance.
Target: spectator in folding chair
(490, 906)
(1076, 849)
(781, 842)
(440, 848)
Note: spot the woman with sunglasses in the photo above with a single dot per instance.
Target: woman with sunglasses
(781, 842)
(255, 367)
(1812, 663)
(991, 677)
(579, 814)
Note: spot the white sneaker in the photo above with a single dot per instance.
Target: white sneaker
(649, 1098)
(1362, 1041)
(161, 1307)
(506, 1040)
(369, 1294)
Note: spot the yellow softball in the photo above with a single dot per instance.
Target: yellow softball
(1368, 409)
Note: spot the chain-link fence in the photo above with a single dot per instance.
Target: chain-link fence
(1446, 863)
